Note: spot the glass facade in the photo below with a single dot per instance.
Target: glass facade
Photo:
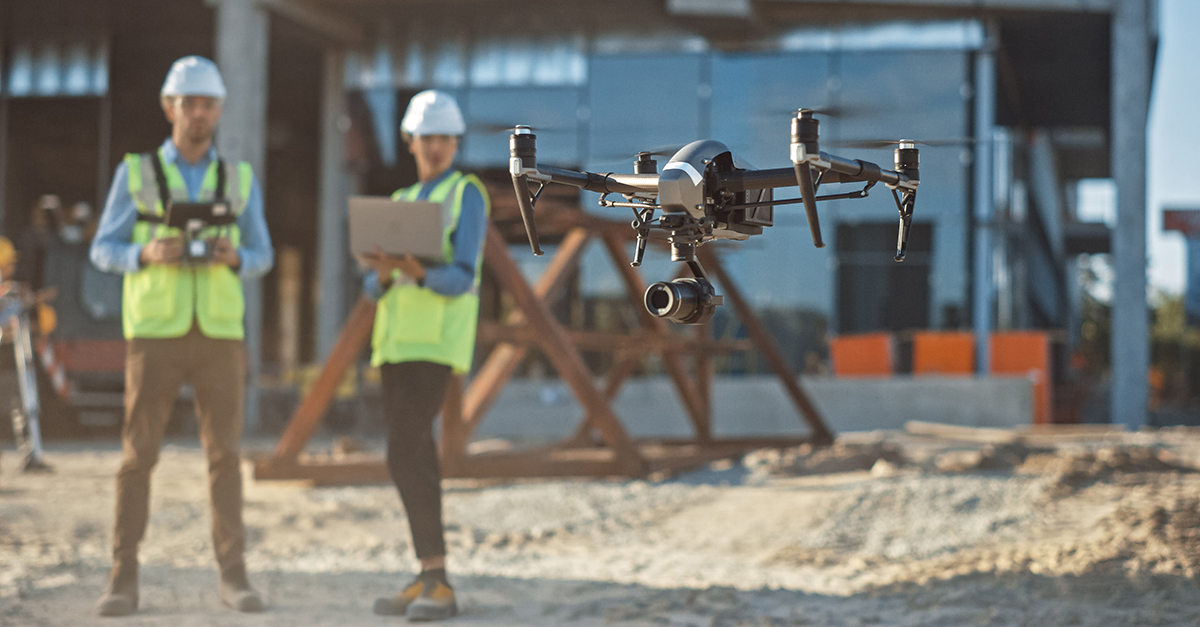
(596, 103)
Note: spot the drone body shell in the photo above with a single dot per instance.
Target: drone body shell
(681, 187)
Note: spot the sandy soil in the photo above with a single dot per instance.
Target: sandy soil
(1103, 533)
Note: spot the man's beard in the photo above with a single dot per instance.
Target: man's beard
(199, 133)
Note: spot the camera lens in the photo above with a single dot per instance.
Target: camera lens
(686, 301)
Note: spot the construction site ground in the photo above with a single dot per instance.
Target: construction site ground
(888, 528)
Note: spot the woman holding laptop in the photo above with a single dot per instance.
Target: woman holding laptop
(425, 331)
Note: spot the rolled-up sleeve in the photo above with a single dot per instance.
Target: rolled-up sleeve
(257, 255)
(458, 277)
(111, 249)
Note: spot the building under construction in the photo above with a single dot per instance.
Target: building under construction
(1018, 100)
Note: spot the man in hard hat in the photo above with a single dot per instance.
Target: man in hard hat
(425, 331)
(23, 313)
(182, 319)
(8, 259)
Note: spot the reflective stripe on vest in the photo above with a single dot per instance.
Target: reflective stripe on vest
(162, 301)
(414, 323)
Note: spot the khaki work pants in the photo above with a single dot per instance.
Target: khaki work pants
(155, 369)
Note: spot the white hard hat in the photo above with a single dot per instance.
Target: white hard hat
(433, 112)
(194, 76)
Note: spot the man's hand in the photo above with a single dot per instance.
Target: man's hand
(165, 251)
(225, 252)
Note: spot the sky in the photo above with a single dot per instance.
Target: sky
(1173, 176)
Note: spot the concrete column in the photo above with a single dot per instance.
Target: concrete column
(242, 38)
(1130, 104)
(4, 154)
(332, 251)
(984, 201)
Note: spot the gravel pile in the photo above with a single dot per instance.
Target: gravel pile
(785, 539)
(809, 460)
(1077, 469)
(920, 517)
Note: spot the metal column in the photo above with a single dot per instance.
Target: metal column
(332, 251)
(3, 152)
(242, 38)
(983, 200)
(1130, 103)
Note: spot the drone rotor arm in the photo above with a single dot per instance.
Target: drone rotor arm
(609, 183)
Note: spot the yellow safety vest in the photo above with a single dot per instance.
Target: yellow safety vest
(415, 323)
(161, 301)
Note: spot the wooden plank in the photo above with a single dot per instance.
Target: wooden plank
(1081, 428)
(350, 344)
(958, 432)
(557, 347)
(607, 341)
(614, 380)
(666, 455)
(702, 358)
(504, 359)
(332, 473)
(689, 394)
(766, 345)
(749, 443)
(521, 465)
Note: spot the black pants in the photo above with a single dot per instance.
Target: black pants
(412, 397)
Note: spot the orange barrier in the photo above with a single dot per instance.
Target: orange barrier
(1027, 353)
(943, 352)
(863, 355)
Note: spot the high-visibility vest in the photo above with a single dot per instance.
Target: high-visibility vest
(415, 323)
(161, 301)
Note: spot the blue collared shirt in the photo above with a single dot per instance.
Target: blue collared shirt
(452, 279)
(113, 250)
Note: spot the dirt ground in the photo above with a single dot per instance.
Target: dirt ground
(885, 529)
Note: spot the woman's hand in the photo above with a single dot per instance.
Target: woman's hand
(385, 264)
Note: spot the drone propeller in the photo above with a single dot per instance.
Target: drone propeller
(668, 150)
(483, 127)
(841, 111)
(884, 143)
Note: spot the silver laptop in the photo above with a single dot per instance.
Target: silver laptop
(397, 228)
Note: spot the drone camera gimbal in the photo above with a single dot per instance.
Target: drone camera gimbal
(705, 192)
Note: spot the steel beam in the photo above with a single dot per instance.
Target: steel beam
(320, 20)
(332, 251)
(984, 199)
(1083, 6)
(242, 41)
(1130, 319)
(3, 153)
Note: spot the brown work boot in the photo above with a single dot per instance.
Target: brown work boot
(428, 597)
(121, 596)
(235, 592)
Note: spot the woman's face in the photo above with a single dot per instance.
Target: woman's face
(434, 153)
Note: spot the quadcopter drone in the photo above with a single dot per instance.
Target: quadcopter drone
(706, 193)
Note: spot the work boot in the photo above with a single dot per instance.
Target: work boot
(236, 594)
(428, 597)
(121, 596)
